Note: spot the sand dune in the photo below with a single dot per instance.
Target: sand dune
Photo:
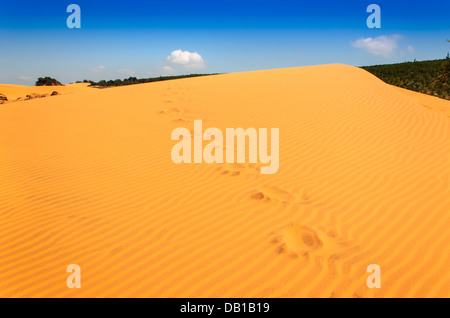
(364, 178)
(20, 92)
(436, 104)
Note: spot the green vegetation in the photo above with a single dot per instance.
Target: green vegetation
(134, 80)
(47, 81)
(428, 77)
(442, 82)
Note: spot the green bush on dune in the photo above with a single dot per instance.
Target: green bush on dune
(47, 81)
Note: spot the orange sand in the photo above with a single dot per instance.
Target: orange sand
(364, 178)
(13, 92)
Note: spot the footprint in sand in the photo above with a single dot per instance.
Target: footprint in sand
(300, 240)
(278, 195)
(183, 116)
(172, 110)
(272, 194)
(239, 169)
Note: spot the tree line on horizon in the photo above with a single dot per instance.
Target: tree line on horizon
(134, 80)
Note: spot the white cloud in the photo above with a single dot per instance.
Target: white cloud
(98, 69)
(185, 60)
(384, 46)
(126, 72)
(25, 78)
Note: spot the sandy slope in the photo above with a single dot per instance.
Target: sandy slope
(19, 92)
(364, 178)
(433, 103)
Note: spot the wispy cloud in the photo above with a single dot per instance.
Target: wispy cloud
(384, 46)
(98, 69)
(25, 78)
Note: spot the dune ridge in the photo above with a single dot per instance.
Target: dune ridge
(15, 93)
(364, 175)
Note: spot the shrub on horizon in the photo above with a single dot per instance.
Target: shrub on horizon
(47, 81)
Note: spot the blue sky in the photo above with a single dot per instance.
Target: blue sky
(118, 39)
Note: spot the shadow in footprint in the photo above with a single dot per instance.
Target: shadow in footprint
(297, 240)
